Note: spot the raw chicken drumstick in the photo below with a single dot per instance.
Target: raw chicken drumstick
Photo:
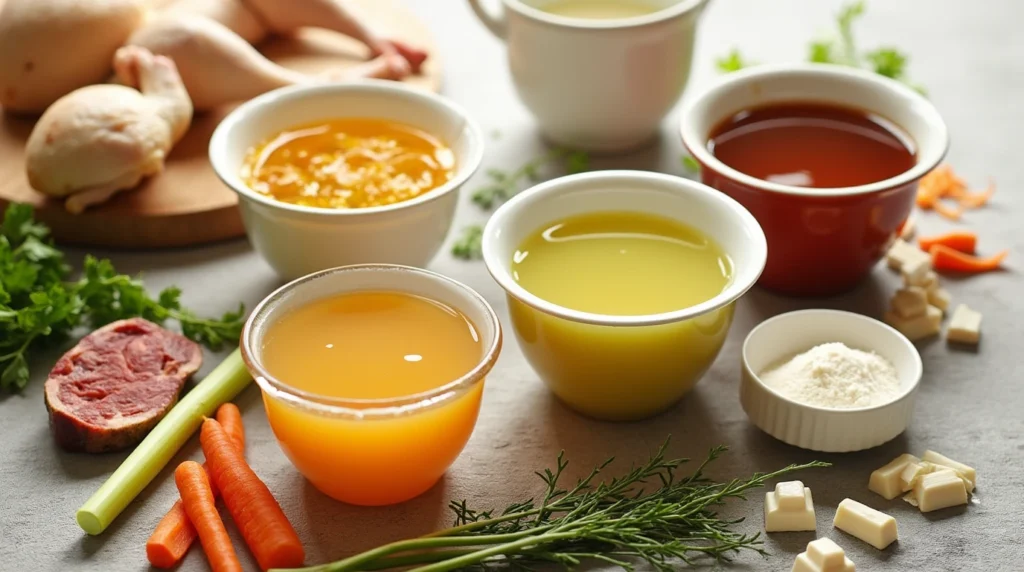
(284, 17)
(209, 41)
(102, 139)
(50, 47)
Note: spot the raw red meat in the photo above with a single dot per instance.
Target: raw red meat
(108, 391)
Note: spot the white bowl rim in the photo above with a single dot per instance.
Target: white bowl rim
(294, 94)
(680, 8)
(499, 270)
(375, 408)
(696, 142)
(906, 344)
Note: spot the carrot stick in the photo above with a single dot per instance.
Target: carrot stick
(263, 524)
(174, 534)
(230, 418)
(197, 497)
(945, 259)
(171, 539)
(960, 240)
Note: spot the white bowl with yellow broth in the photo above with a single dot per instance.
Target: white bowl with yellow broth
(621, 284)
(312, 199)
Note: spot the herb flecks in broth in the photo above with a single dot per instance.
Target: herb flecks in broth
(348, 163)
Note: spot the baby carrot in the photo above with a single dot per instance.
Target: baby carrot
(263, 524)
(945, 259)
(171, 539)
(174, 534)
(197, 498)
(230, 418)
(960, 240)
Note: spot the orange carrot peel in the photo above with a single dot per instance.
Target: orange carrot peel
(197, 498)
(941, 184)
(267, 532)
(174, 534)
(960, 240)
(946, 259)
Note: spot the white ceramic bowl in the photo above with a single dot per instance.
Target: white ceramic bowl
(297, 240)
(822, 428)
(622, 367)
(594, 84)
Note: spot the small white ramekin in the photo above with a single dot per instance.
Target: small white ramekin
(821, 428)
(298, 240)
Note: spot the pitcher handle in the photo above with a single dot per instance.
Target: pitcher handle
(494, 20)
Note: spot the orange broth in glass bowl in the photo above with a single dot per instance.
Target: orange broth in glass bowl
(372, 376)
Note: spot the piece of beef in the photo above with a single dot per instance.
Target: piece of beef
(108, 391)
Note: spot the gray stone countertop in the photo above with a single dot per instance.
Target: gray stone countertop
(970, 407)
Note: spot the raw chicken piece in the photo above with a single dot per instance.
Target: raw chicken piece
(217, 66)
(102, 139)
(287, 17)
(50, 47)
(233, 14)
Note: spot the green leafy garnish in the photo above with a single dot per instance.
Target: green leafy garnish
(39, 306)
(734, 61)
(467, 247)
(649, 514)
(842, 50)
(691, 165)
(504, 185)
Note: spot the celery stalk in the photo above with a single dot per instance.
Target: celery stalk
(156, 450)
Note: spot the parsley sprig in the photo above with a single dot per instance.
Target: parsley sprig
(842, 50)
(40, 306)
(503, 185)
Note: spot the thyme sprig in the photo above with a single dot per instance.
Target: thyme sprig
(647, 515)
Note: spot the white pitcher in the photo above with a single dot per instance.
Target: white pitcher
(596, 85)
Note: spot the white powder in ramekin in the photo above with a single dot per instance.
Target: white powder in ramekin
(837, 376)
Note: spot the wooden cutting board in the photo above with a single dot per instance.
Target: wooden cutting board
(187, 204)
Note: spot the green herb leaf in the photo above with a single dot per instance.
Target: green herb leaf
(822, 52)
(468, 245)
(15, 373)
(734, 61)
(18, 224)
(845, 20)
(506, 184)
(691, 165)
(577, 162)
(39, 306)
(888, 62)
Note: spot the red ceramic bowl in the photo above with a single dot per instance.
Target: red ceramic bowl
(820, 241)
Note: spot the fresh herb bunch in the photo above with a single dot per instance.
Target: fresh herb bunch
(504, 185)
(649, 514)
(39, 306)
(842, 50)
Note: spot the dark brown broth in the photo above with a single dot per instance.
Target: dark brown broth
(812, 145)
